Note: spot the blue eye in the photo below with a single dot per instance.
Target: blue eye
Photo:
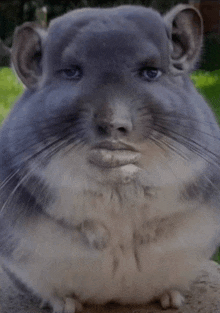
(72, 73)
(150, 73)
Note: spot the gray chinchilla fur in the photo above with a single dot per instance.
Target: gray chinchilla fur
(110, 160)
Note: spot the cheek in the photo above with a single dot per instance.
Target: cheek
(61, 97)
(162, 166)
(152, 155)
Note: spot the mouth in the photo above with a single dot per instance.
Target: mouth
(111, 154)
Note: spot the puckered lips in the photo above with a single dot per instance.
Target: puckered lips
(111, 154)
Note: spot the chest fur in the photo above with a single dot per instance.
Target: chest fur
(129, 249)
(125, 242)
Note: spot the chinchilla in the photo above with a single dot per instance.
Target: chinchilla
(110, 160)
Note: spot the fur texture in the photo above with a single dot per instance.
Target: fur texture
(110, 159)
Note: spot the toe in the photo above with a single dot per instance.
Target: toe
(58, 306)
(176, 299)
(172, 299)
(72, 305)
(165, 301)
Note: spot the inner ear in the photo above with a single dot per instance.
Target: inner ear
(186, 32)
(27, 53)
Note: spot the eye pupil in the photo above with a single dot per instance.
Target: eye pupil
(150, 73)
(70, 73)
(73, 73)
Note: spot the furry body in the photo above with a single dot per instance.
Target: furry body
(110, 160)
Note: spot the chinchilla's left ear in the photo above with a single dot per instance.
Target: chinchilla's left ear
(27, 50)
(185, 28)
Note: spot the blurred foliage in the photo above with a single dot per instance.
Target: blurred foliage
(15, 12)
(210, 60)
(208, 84)
(10, 90)
(164, 5)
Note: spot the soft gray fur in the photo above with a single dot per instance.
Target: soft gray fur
(110, 160)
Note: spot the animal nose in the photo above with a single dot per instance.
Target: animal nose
(117, 127)
(121, 125)
(114, 119)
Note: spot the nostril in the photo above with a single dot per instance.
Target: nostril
(117, 127)
(122, 126)
(122, 130)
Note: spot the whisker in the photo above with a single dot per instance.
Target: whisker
(174, 116)
(156, 142)
(8, 179)
(193, 146)
(22, 180)
(190, 127)
(168, 145)
(50, 149)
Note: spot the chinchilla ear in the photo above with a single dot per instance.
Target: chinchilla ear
(185, 26)
(26, 53)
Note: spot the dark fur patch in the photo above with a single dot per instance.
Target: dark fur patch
(17, 282)
(204, 189)
(8, 241)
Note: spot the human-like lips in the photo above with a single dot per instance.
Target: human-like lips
(111, 154)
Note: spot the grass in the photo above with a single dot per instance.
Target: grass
(10, 90)
(208, 84)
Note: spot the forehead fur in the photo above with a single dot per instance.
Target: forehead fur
(131, 25)
(98, 20)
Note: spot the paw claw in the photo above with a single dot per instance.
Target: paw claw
(172, 299)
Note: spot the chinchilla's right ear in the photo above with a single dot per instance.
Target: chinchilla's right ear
(27, 53)
(185, 27)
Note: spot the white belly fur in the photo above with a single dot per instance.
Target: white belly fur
(154, 241)
(169, 256)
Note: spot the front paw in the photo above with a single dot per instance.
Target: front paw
(172, 299)
(69, 305)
